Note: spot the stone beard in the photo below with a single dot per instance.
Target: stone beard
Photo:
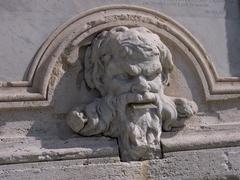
(130, 68)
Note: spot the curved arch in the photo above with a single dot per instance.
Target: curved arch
(74, 33)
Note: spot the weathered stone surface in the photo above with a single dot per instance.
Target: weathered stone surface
(186, 140)
(129, 69)
(202, 164)
(57, 73)
(21, 150)
(41, 83)
(26, 25)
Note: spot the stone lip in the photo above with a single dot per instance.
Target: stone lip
(207, 139)
(21, 150)
(221, 163)
(29, 149)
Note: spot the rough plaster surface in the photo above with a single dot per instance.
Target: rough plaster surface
(211, 164)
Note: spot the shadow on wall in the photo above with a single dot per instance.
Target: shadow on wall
(232, 8)
(51, 129)
(66, 95)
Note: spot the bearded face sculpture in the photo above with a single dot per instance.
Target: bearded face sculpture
(130, 68)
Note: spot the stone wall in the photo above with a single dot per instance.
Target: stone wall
(43, 51)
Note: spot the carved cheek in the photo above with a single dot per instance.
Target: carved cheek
(117, 87)
(156, 85)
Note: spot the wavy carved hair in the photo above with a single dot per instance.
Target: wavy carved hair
(123, 41)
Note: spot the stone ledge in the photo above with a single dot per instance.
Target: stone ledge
(212, 164)
(19, 150)
(29, 149)
(199, 140)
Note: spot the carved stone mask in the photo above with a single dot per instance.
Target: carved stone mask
(129, 67)
(124, 53)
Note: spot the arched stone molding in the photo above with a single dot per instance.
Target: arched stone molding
(63, 44)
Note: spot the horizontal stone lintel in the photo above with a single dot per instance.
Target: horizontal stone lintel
(222, 163)
(22, 150)
(30, 149)
(183, 141)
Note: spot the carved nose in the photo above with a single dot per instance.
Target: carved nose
(141, 85)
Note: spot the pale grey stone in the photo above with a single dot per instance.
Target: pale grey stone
(26, 24)
(21, 150)
(37, 135)
(129, 67)
(211, 164)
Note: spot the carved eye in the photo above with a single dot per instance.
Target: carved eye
(153, 76)
(105, 57)
(124, 77)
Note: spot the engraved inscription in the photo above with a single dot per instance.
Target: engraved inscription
(200, 8)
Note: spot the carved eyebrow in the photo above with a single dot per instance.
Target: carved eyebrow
(158, 70)
(133, 70)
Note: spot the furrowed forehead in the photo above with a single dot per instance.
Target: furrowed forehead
(135, 52)
(132, 41)
(146, 66)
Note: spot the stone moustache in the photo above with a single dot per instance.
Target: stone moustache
(130, 68)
